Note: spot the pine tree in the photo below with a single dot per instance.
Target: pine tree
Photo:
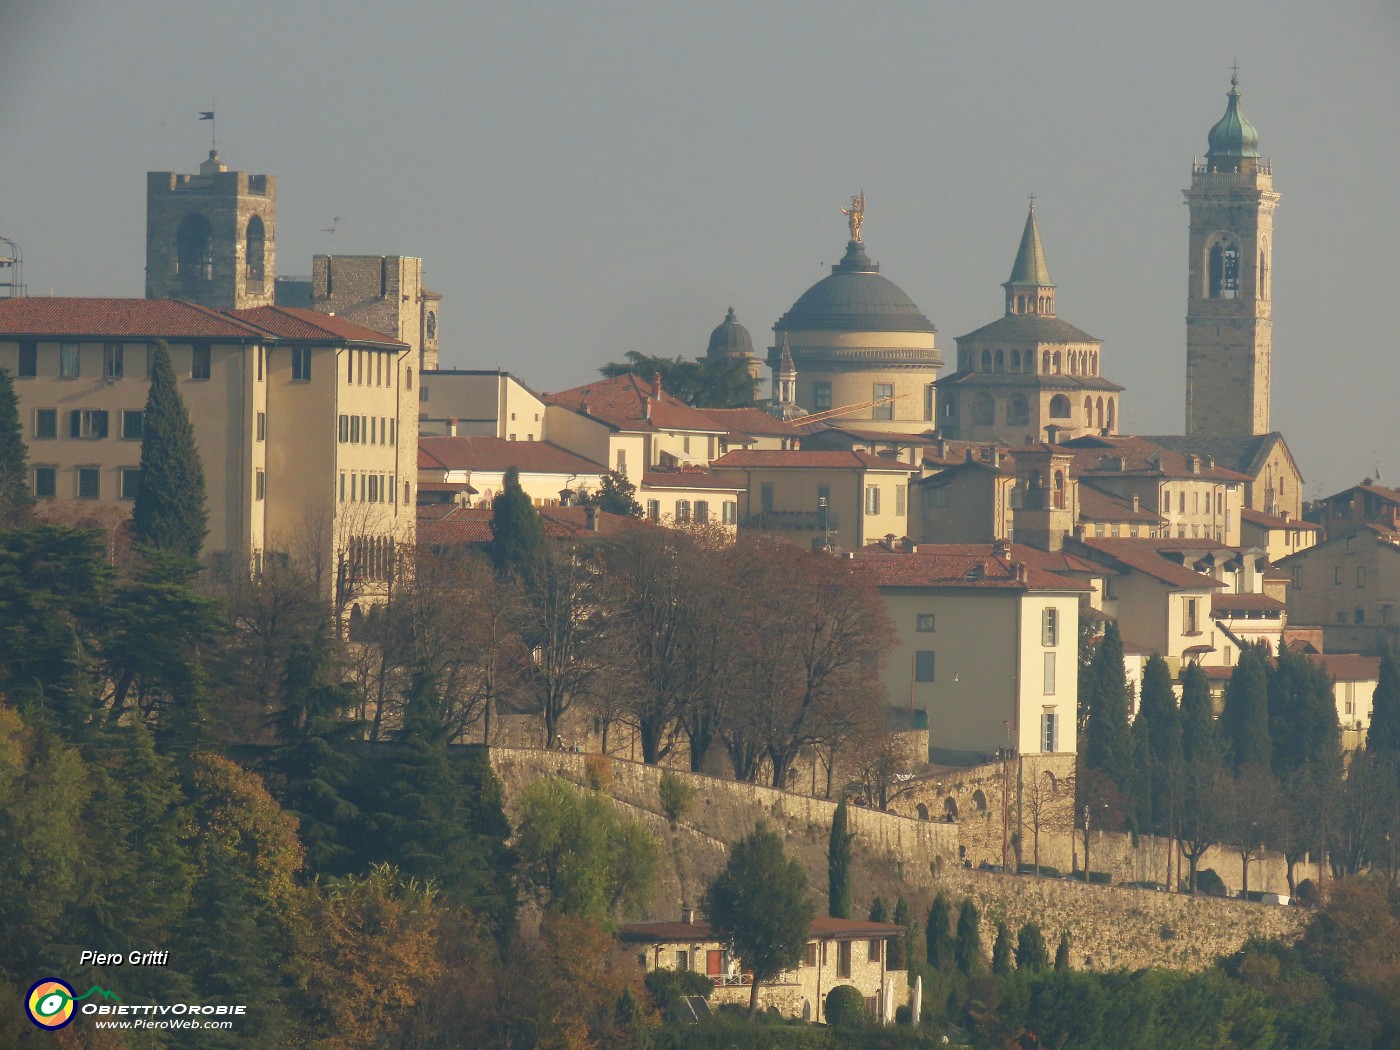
(1062, 952)
(938, 932)
(617, 495)
(517, 532)
(1158, 729)
(1001, 951)
(1108, 747)
(900, 947)
(1244, 722)
(838, 864)
(968, 948)
(1031, 953)
(170, 513)
(1384, 735)
(15, 499)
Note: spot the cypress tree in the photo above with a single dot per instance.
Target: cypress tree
(1031, 953)
(1384, 735)
(1001, 951)
(838, 864)
(1158, 730)
(899, 947)
(1062, 952)
(1244, 722)
(170, 512)
(878, 912)
(968, 948)
(1200, 738)
(938, 932)
(1288, 686)
(1108, 747)
(14, 457)
(517, 532)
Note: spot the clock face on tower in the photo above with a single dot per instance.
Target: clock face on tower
(432, 324)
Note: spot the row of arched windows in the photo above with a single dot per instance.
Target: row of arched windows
(1073, 362)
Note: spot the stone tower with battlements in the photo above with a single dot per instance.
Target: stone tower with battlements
(1228, 303)
(211, 238)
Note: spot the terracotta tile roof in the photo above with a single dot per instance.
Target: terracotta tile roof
(471, 526)
(1227, 604)
(953, 452)
(1348, 667)
(624, 401)
(822, 929)
(121, 318)
(1096, 505)
(752, 421)
(888, 437)
(1145, 556)
(1245, 454)
(1049, 561)
(1381, 492)
(804, 460)
(688, 479)
(959, 571)
(1099, 455)
(288, 322)
(480, 452)
(1274, 521)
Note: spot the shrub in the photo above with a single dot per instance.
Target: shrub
(1306, 892)
(845, 1007)
(1101, 878)
(1046, 871)
(668, 987)
(675, 797)
(1210, 883)
(599, 771)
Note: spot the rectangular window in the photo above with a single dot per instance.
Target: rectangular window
(1361, 576)
(685, 444)
(810, 959)
(349, 366)
(682, 510)
(374, 488)
(129, 480)
(89, 483)
(765, 497)
(653, 510)
(1192, 624)
(1298, 577)
(702, 511)
(882, 391)
(262, 426)
(872, 499)
(132, 424)
(344, 428)
(900, 496)
(28, 360)
(354, 430)
(342, 486)
(45, 482)
(262, 357)
(359, 368)
(301, 364)
(925, 622)
(821, 396)
(1049, 733)
(394, 431)
(1050, 627)
(872, 950)
(731, 512)
(1181, 502)
(683, 961)
(374, 430)
(46, 422)
(843, 959)
(923, 665)
(1049, 666)
(260, 485)
(200, 362)
(69, 361)
(622, 461)
(112, 360)
(1337, 575)
(89, 423)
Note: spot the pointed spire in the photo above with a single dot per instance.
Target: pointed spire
(1030, 290)
(786, 368)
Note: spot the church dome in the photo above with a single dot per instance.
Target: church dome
(1233, 138)
(730, 339)
(855, 298)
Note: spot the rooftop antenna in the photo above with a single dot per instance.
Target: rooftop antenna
(331, 229)
(11, 270)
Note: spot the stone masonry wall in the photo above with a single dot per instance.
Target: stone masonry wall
(898, 856)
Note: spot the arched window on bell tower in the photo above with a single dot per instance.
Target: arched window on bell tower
(1223, 280)
(255, 249)
(194, 250)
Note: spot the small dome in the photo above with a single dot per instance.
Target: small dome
(730, 339)
(855, 298)
(1233, 138)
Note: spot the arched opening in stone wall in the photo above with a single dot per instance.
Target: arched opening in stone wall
(950, 809)
(1018, 412)
(1059, 407)
(255, 249)
(983, 410)
(194, 250)
(979, 800)
(922, 811)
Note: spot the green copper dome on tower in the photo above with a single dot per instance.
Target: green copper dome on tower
(1233, 138)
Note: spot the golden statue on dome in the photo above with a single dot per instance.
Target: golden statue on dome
(855, 214)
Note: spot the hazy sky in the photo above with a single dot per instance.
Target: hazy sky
(586, 179)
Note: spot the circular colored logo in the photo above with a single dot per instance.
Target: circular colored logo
(50, 1003)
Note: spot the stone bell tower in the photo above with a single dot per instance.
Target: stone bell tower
(1228, 304)
(211, 238)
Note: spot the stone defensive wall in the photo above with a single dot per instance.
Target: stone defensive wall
(1109, 926)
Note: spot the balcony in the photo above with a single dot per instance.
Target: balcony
(792, 521)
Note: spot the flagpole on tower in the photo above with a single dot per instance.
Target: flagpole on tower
(208, 114)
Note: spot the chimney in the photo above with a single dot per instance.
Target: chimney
(1020, 567)
(687, 915)
(656, 385)
(452, 428)
(590, 518)
(969, 454)
(1001, 548)
(1137, 503)
(1193, 464)
(1080, 531)
(1288, 516)
(942, 448)
(1120, 464)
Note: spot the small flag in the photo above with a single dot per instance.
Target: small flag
(206, 114)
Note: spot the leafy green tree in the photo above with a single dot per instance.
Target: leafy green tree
(1384, 732)
(517, 532)
(1001, 951)
(170, 513)
(967, 951)
(580, 855)
(900, 948)
(759, 904)
(838, 863)
(1062, 952)
(15, 499)
(616, 495)
(1031, 952)
(1158, 732)
(1244, 721)
(709, 383)
(1108, 744)
(938, 932)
